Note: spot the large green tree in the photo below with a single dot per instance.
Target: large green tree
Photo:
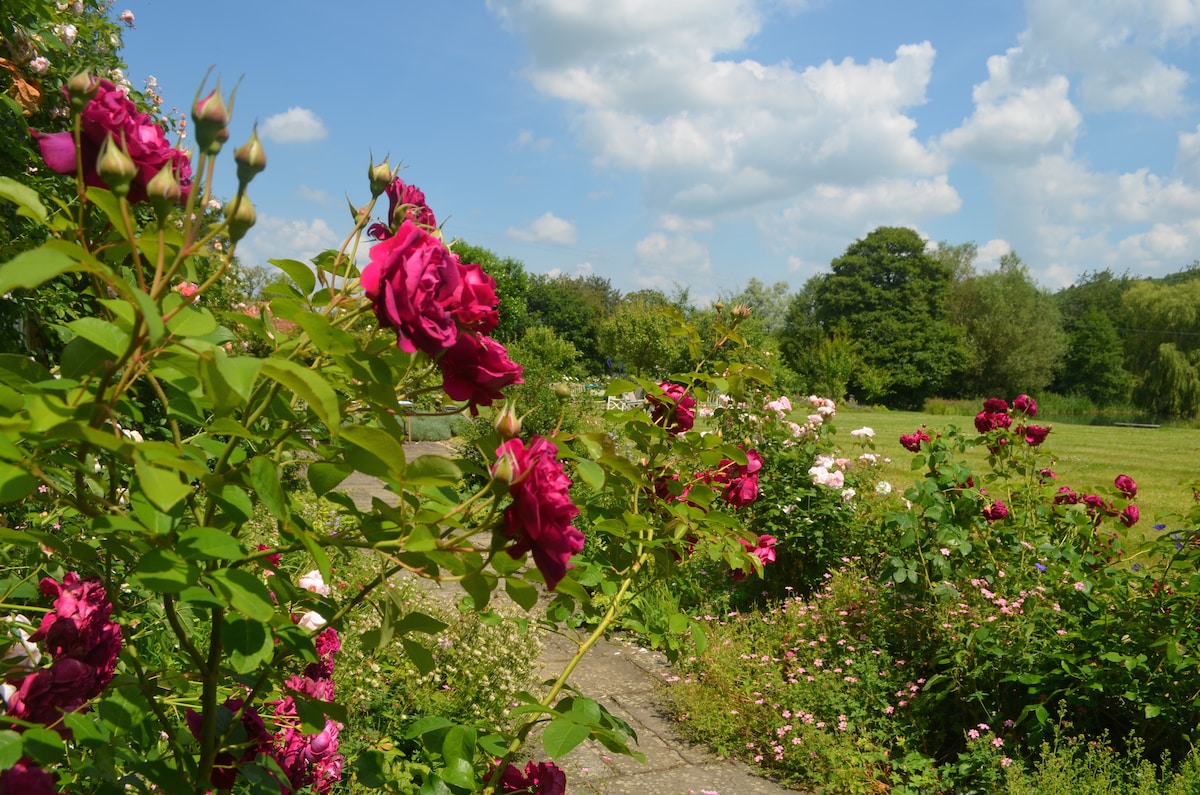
(575, 307)
(1094, 364)
(768, 305)
(1012, 330)
(890, 295)
(638, 334)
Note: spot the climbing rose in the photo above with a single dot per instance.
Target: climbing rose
(539, 778)
(539, 518)
(764, 550)
(1035, 434)
(741, 481)
(258, 741)
(477, 370)
(986, 421)
(26, 778)
(674, 413)
(111, 113)
(1065, 496)
(912, 441)
(995, 512)
(400, 194)
(414, 284)
(1130, 516)
(1025, 405)
(995, 406)
(476, 309)
(1126, 486)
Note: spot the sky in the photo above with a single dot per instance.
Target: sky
(702, 143)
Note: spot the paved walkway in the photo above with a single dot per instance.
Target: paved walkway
(627, 680)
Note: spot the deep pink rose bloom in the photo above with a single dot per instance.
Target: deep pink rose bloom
(258, 741)
(1025, 405)
(476, 309)
(26, 778)
(1097, 504)
(995, 406)
(1130, 516)
(912, 441)
(79, 627)
(1126, 486)
(740, 481)
(418, 211)
(1065, 496)
(1048, 474)
(539, 518)
(1035, 434)
(986, 421)
(675, 412)
(996, 511)
(477, 369)
(414, 283)
(110, 112)
(764, 550)
(539, 778)
(42, 696)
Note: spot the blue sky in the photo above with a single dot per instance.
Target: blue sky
(705, 142)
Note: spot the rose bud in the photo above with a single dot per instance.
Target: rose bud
(115, 167)
(251, 159)
(241, 216)
(380, 176)
(211, 118)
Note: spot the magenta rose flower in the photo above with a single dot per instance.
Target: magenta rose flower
(995, 406)
(740, 481)
(1130, 516)
(476, 308)
(1097, 504)
(996, 511)
(674, 413)
(1065, 496)
(417, 211)
(912, 441)
(764, 550)
(258, 741)
(538, 778)
(1035, 434)
(27, 778)
(44, 695)
(79, 627)
(1025, 405)
(414, 283)
(111, 112)
(539, 518)
(1126, 486)
(986, 421)
(477, 370)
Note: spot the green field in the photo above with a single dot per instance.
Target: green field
(1163, 461)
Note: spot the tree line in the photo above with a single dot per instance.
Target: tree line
(893, 322)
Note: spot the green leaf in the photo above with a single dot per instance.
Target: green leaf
(427, 725)
(432, 470)
(1152, 711)
(102, 334)
(154, 322)
(324, 477)
(234, 501)
(419, 655)
(419, 622)
(265, 478)
(35, 267)
(619, 386)
(319, 395)
(458, 755)
(43, 746)
(189, 320)
(161, 486)
(108, 203)
(10, 748)
(678, 623)
(209, 543)
(378, 443)
(563, 736)
(591, 473)
(229, 380)
(249, 644)
(300, 273)
(520, 591)
(165, 571)
(15, 483)
(29, 203)
(243, 591)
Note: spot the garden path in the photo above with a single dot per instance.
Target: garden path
(627, 680)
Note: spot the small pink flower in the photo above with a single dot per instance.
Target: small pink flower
(126, 17)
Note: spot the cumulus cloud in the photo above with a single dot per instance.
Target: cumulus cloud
(295, 125)
(286, 238)
(664, 260)
(547, 228)
(526, 139)
(312, 194)
(987, 256)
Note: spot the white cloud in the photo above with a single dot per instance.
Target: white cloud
(987, 256)
(677, 223)
(312, 194)
(664, 260)
(526, 139)
(295, 125)
(286, 238)
(547, 228)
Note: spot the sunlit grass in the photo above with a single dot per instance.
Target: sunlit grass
(1163, 461)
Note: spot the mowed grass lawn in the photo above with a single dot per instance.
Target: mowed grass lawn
(1163, 461)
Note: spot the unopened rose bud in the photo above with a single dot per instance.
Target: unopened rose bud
(81, 88)
(241, 216)
(508, 424)
(381, 176)
(741, 311)
(719, 305)
(505, 469)
(562, 391)
(164, 192)
(211, 118)
(115, 167)
(251, 159)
